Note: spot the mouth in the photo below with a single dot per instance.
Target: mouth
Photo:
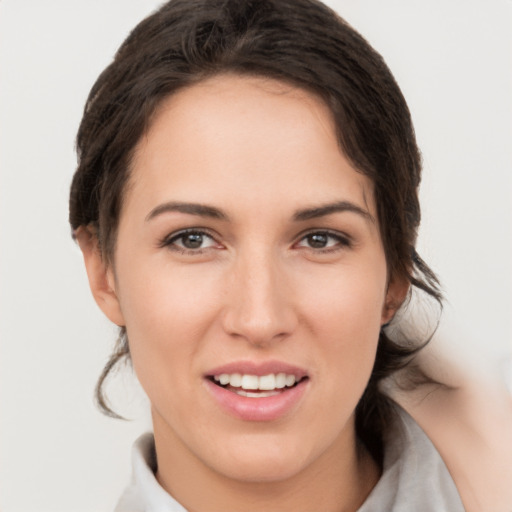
(254, 386)
(258, 391)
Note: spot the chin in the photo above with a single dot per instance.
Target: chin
(264, 470)
(265, 462)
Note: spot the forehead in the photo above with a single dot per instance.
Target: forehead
(236, 136)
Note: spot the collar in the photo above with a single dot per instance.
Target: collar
(414, 476)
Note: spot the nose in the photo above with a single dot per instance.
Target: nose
(259, 306)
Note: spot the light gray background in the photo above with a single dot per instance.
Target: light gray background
(453, 60)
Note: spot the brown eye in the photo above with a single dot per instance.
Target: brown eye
(190, 240)
(318, 240)
(324, 240)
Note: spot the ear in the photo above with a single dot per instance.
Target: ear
(101, 275)
(397, 291)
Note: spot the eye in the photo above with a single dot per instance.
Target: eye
(324, 240)
(190, 240)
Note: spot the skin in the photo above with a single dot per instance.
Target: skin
(256, 289)
(470, 423)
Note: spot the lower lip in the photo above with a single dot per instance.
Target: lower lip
(267, 408)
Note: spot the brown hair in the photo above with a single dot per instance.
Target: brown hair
(301, 42)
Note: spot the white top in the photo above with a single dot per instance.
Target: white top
(414, 478)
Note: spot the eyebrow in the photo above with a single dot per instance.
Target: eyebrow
(202, 210)
(329, 209)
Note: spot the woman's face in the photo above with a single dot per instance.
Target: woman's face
(249, 253)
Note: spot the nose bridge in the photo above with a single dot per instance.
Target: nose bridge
(259, 307)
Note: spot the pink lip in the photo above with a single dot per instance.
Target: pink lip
(257, 409)
(258, 368)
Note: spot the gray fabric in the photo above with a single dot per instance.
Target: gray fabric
(144, 493)
(415, 478)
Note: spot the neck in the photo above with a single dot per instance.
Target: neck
(338, 481)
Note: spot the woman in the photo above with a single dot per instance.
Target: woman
(246, 202)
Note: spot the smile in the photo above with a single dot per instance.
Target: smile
(257, 392)
(253, 386)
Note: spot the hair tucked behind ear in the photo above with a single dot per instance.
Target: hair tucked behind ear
(301, 42)
(121, 351)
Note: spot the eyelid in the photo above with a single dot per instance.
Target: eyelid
(169, 240)
(343, 238)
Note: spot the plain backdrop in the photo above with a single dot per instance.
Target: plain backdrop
(453, 61)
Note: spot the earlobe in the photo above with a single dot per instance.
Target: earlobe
(100, 275)
(396, 294)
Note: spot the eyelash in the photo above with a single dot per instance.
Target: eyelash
(170, 241)
(342, 241)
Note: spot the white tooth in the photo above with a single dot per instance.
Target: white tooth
(280, 380)
(290, 380)
(262, 394)
(267, 382)
(216, 378)
(250, 382)
(223, 378)
(235, 380)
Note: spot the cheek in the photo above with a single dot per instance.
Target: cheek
(349, 300)
(345, 317)
(168, 313)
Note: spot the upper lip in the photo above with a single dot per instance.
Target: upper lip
(258, 368)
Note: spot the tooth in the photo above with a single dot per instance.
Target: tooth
(250, 382)
(290, 380)
(249, 394)
(235, 380)
(267, 382)
(280, 380)
(263, 394)
(223, 378)
(253, 382)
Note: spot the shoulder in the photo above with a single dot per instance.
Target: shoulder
(144, 493)
(414, 474)
(470, 424)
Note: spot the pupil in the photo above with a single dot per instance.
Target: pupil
(193, 240)
(317, 240)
